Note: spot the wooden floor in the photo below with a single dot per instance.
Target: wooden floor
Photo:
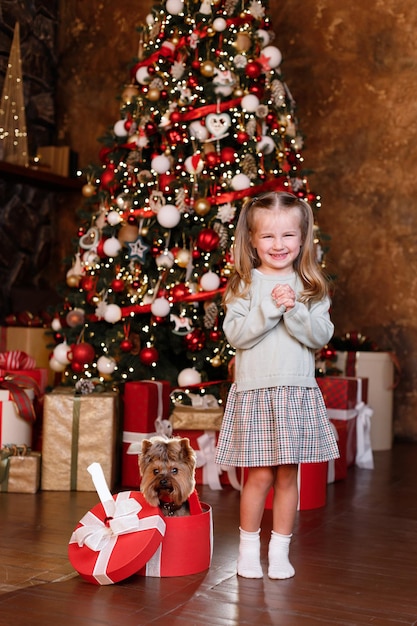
(355, 561)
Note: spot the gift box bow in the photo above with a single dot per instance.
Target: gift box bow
(16, 385)
(122, 517)
(211, 470)
(16, 360)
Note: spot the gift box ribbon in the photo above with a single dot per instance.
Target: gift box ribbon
(163, 428)
(16, 360)
(16, 385)
(211, 470)
(122, 517)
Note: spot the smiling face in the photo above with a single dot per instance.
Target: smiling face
(277, 238)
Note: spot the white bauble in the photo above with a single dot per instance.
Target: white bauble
(272, 55)
(194, 164)
(150, 20)
(197, 130)
(60, 353)
(219, 24)
(174, 7)
(266, 145)
(113, 218)
(160, 307)
(250, 103)
(263, 36)
(113, 313)
(55, 365)
(56, 324)
(143, 76)
(106, 365)
(210, 281)
(160, 164)
(189, 376)
(119, 129)
(240, 181)
(168, 216)
(165, 259)
(112, 246)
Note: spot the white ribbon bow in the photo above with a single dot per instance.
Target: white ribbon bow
(206, 401)
(211, 470)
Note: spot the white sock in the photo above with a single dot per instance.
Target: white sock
(279, 564)
(249, 560)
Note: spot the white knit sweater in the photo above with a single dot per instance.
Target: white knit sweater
(274, 347)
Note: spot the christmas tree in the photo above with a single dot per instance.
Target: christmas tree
(206, 121)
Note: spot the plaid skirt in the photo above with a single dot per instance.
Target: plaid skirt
(275, 426)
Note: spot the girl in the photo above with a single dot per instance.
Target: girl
(277, 316)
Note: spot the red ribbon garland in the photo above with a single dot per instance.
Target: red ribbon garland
(16, 385)
(192, 297)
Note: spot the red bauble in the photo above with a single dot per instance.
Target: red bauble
(77, 367)
(87, 283)
(212, 159)
(81, 353)
(227, 155)
(195, 340)
(148, 355)
(257, 90)
(128, 124)
(207, 239)
(178, 292)
(253, 69)
(117, 285)
(126, 345)
(175, 117)
(215, 334)
(242, 137)
(107, 178)
(151, 128)
(174, 136)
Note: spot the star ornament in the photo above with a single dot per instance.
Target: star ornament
(138, 249)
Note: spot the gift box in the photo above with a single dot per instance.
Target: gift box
(146, 406)
(340, 392)
(186, 417)
(186, 548)
(337, 469)
(19, 470)
(32, 341)
(124, 535)
(77, 430)
(312, 486)
(378, 368)
(13, 427)
(207, 471)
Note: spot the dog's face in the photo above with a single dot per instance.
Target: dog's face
(167, 468)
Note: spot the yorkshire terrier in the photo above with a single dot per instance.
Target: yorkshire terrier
(167, 468)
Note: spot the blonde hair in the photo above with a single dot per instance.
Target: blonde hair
(246, 258)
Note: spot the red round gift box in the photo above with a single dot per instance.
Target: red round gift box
(186, 547)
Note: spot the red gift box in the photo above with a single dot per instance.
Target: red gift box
(338, 467)
(146, 404)
(312, 486)
(186, 548)
(207, 471)
(339, 392)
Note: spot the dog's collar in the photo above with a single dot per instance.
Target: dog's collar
(169, 508)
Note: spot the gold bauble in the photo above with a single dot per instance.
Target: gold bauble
(127, 233)
(182, 257)
(88, 190)
(238, 92)
(144, 231)
(73, 280)
(243, 42)
(210, 31)
(202, 206)
(153, 94)
(216, 361)
(130, 92)
(207, 68)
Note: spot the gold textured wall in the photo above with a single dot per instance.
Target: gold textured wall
(352, 68)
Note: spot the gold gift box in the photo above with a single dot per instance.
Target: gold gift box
(186, 417)
(22, 469)
(77, 431)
